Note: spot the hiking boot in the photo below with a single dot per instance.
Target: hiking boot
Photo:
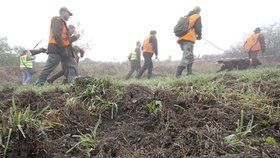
(179, 71)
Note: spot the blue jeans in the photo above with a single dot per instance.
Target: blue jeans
(26, 76)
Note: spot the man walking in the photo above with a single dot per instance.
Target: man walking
(149, 48)
(58, 48)
(187, 41)
(254, 45)
(135, 60)
(64, 66)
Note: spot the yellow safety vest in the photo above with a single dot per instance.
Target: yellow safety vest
(133, 55)
(24, 63)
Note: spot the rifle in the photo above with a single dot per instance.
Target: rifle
(35, 52)
(38, 43)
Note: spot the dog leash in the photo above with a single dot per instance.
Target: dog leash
(214, 45)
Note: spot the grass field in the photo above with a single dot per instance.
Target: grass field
(234, 114)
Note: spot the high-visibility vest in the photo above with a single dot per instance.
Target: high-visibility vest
(191, 35)
(64, 36)
(24, 63)
(253, 44)
(133, 55)
(147, 46)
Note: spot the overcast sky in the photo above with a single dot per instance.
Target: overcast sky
(113, 26)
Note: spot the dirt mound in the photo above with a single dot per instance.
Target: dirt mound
(136, 121)
(136, 95)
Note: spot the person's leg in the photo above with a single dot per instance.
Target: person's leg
(25, 73)
(71, 68)
(138, 67)
(182, 65)
(150, 67)
(188, 57)
(132, 69)
(29, 76)
(23, 76)
(56, 76)
(145, 66)
(255, 59)
(52, 62)
(250, 57)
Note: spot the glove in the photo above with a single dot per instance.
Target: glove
(156, 57)
(78, 36)
(43, 50)
(199, 38)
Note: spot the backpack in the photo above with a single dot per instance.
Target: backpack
(182, 27)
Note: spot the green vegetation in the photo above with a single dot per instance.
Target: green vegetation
(240, 137)
(77, 110)
(86, 142)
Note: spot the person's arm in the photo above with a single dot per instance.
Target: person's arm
(262, 42)
(57, 30)
(30, 57)
(129, 57)
(153, 40)
(74, 38)
(38, 51)
(82, 52)
(198, 28)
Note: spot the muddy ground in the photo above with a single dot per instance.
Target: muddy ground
(183, 126)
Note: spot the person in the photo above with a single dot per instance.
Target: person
(149, 48)
(58, 48)
(187, 41)
(135, 60)
(76, 51)
(27, 58)
(254, 45)
(64, 69)
(26, 66)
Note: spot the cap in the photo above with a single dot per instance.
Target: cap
(257, 29)
(197, 9)
(153, 32)
(66, 10)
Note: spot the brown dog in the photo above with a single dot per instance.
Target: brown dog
(239, 64)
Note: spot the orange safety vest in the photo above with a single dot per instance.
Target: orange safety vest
(64, 36)
(191, 35)
(147, 46)
(253, 44)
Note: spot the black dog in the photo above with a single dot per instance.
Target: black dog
(239, 64)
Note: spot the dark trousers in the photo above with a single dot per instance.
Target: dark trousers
(52, 62)
(134, 67)
(148, 64)
(59, 74)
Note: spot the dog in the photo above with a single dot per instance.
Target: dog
(239, 64)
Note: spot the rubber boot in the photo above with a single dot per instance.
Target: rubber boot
(179, 71)
(189, 69)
